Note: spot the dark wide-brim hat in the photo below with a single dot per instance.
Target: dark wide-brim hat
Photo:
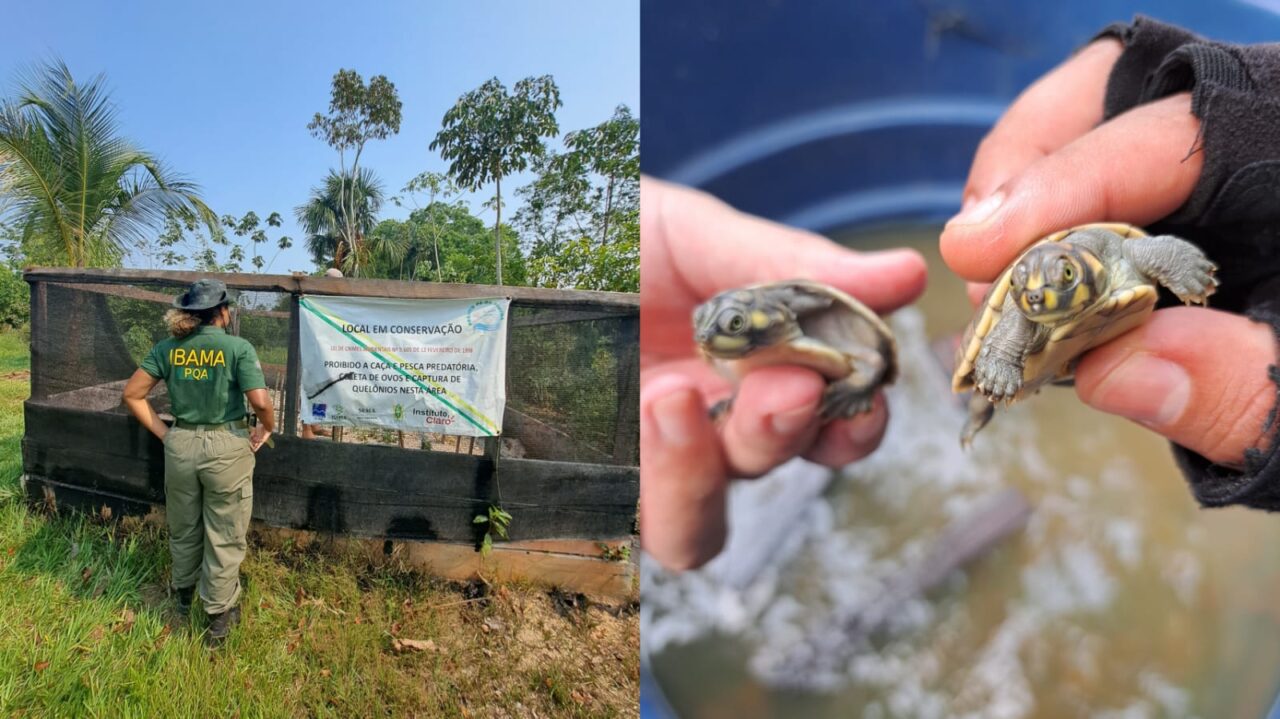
(203, 295)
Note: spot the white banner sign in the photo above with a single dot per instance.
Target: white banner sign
(412, 365)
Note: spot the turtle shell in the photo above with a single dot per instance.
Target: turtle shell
(1125, 308)
(845, 325)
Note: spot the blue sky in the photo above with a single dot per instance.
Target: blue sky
(223, 91)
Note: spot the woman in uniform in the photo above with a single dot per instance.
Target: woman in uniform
(209, 450)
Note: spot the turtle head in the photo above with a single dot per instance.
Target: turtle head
(1055, 281)
(736, 323)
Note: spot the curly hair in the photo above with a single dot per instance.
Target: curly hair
(181, 323)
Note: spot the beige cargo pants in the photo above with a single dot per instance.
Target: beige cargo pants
(208, 486)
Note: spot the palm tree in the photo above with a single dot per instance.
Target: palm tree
(323, 218)
(77, 191)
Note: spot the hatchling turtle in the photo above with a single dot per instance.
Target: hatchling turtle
(1069, 292)
(805, 323)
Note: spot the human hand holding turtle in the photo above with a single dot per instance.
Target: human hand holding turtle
(696, 247)
(1197, 376)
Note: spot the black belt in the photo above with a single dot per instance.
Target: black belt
(223, 426)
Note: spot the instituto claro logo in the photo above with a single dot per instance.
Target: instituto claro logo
(484, 316)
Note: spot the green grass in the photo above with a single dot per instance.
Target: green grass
(86, 628)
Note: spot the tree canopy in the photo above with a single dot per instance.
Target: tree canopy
(337, 216)
(462, 241)
(73, 191)
(78, 192)
(358, 113)
(490, 133)
(581, 217)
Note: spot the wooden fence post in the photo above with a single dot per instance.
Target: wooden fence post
(493, 445)
(626, 437)
(39, 340)
(293, 369)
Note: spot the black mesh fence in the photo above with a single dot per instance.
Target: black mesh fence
(92, 337)
(572, 373)
(572, 389)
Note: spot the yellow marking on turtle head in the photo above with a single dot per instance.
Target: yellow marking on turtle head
(760, 319)
(728, 343)
(1082, 295)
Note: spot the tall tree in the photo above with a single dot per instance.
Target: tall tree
(358, 113)
(80, 193)
(557, 204)
(337, 216)
(185, 242)
(438, 188)
(612, 151)
(490, 133)
(581, 214)
(460, 239)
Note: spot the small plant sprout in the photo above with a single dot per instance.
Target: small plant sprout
(620, 553)
(498, 521)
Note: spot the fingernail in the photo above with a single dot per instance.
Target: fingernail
(674, 416)
(886, 259)
(791, 422)
(976, 213)
(1145, 389)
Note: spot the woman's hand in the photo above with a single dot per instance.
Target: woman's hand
(258, 437)
(135, 399)
(1196, 376)
(693, 247)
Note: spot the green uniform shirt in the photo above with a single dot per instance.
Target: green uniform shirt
(207, 373)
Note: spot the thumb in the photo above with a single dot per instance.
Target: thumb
(1134, 168)
(1196, 376)
(710, 247)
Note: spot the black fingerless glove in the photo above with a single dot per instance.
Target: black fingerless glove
(1233, 213)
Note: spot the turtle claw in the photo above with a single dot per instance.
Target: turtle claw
(1195, 283)
(840, 401)
(998, 380)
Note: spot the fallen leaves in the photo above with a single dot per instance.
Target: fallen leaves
(127, 619)
(99, 587)
(320, 604)
(412, 645)
(164, 636)
(41, 666)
